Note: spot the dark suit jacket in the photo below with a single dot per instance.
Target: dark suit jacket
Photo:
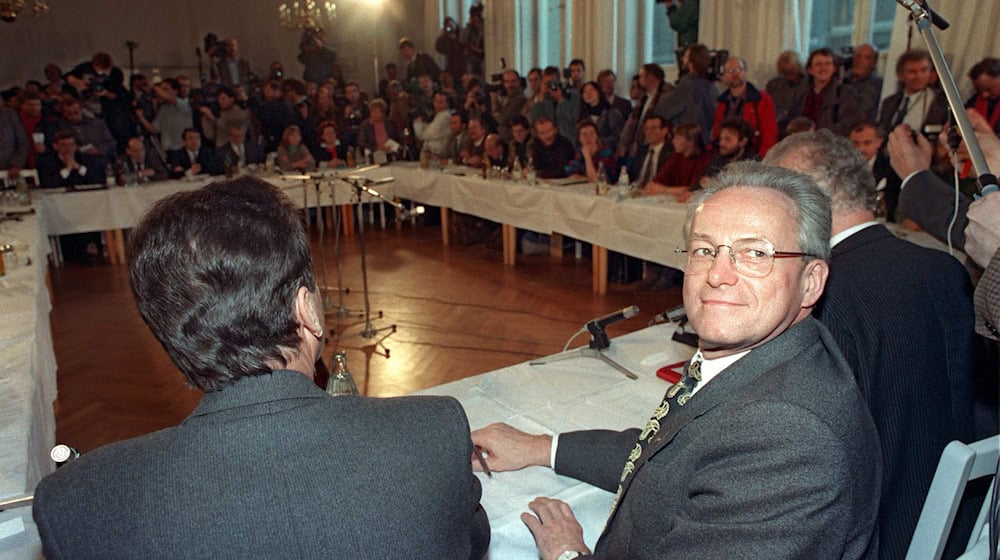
(273, 467)
(776, 457)
(928, 201)
(253, 152)
(661, 159)
(937, 113)
(49, 166)
(840, 109)
(902, 315)
(206, 158)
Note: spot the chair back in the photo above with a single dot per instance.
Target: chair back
(959, 464)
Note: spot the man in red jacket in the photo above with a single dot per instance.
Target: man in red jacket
(743, 100)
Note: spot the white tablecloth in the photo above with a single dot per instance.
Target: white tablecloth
(575, 394)
(27, 383)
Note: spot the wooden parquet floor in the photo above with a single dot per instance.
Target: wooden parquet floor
(458, 311)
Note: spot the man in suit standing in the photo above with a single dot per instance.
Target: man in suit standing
(193, 158)
(902, 315)
(765, 448)
(268, 465)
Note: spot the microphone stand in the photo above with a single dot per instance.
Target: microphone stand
(598, 348)
(369, 331)
(924, 18)
(14, 503)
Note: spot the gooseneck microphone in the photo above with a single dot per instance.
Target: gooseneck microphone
(598, 338)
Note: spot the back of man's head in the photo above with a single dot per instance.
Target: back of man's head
(215, 274)
(831, 161)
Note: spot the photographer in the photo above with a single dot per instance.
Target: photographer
(451, 47)
(317, 58)
(561, 104)
(507, 100)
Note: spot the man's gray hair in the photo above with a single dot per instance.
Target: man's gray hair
(836, 166)
(811, 204)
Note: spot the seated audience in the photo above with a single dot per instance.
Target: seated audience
(784, 87)
(472, 150)
(495, 151)
(139, 165)
(435, 134)
(902, 316)
(742, 100)
(593, 155)
(458, 129)
(241, 150)
(520, 129)
(826, 101)
(551, 152)
(597, 110)
(66, 165)
(921, 106)
(378, 134)
(735, 137)
(273, 452)
(292, 152)
(328, 150)
(684, 168)
(193, 158)
(862, 76)
(985, 77)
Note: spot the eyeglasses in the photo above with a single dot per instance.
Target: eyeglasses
(733, 70)
(750, 257)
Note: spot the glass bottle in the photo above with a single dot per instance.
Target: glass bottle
(341, 382)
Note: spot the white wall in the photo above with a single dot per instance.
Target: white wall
(169, 30)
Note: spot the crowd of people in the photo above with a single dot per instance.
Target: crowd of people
(820, 292)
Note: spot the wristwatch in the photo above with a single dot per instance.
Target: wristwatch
(568, 555)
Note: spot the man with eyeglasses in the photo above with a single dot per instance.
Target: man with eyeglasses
(742, 100)
(903, 317)
(765, 448)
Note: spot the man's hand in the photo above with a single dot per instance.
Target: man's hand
(509, 449)
(907, 156)
(195, 168)
(982, 235)
(555, 529)
(988, 141)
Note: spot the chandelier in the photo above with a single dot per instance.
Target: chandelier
(10, 9)
(305, 14)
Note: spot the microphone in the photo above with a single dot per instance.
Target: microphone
(409, 213)
(62, 454)
(598, 338)
(673, 315)
(612, 318)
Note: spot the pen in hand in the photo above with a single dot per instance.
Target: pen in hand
(482, 460)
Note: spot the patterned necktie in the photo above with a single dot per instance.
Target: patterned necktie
(679, 394)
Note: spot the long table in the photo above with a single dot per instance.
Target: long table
(27, 383)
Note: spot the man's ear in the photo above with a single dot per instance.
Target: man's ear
(306, 314)
(813, 281)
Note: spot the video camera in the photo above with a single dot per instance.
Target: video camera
(844, 60)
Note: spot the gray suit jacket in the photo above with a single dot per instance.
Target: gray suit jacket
(777, 457)
(273, 467)
(923, 198)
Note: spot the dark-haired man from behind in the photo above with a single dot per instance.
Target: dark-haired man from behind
(268, 465)
(902, 315)
(194, 158)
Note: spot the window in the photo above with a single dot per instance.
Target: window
(664, 39)
(833, 23)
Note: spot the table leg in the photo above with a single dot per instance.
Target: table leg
(109, 246)
(445, 240)
(599, 269)
(119, 236)
(347, 219)
(399, 211)
(509, 245)
(556, 245)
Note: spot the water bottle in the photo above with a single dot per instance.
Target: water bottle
(516, 170)
(624, 187)
(341, 382)
(529, 173)
(602, 180)
(109, 175)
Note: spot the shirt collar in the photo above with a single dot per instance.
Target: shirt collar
(849, 232)
(713, 367)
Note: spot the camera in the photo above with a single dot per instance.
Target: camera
(716, 63)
